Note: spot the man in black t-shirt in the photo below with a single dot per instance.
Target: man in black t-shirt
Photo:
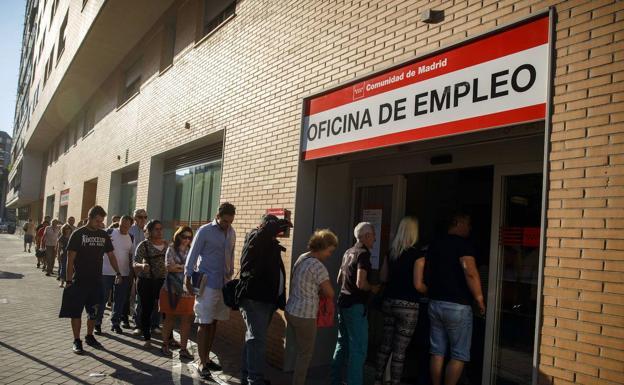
(453, 282)
(352, 343)
(83, 287)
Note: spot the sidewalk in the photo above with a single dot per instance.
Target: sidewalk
(35, 345)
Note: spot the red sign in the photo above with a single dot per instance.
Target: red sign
(280, 214)
(64, 200)
(493, 81)
(520, 236)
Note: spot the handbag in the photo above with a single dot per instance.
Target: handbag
(230, 294)
(325, 314)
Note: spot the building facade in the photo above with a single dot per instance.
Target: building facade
(5, 166)
(177, 105)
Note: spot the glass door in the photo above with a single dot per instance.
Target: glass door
(513, 301)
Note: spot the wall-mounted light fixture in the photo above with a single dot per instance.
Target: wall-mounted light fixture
(432, 16)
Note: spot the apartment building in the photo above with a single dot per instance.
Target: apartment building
(335, 112)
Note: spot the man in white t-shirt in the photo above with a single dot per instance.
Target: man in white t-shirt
(122, 248)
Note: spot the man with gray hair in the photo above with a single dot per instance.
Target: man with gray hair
(353, 276)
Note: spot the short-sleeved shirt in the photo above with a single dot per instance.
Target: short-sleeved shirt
(445, 274)
(51, 236)
(308, 274)
(122, 245)
(146, 252)
(357, 257)
(401, 275)
(90, 246)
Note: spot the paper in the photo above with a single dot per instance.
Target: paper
(373, 216)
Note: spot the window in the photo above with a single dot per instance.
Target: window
(191, 196)
(61, 39)
(216, 12)
(132, 82)
(41, 44)
(67, 139)
(168, 45)
(48, 67)
(89, 120)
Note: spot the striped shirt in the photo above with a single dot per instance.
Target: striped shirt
(308, 274)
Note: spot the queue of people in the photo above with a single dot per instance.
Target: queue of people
(149, 277)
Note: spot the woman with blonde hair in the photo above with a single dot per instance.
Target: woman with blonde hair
(402, 271)
(309, 278)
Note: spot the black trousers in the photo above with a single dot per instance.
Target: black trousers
(149, 290)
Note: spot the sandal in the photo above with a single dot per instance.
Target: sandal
(166, 352)
(186, 354)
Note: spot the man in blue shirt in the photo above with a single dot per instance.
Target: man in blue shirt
(212, 255)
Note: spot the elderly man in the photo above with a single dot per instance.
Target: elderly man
(354, 292)
(138, 235)
(50, 239)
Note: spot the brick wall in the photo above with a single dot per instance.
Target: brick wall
(249, 79)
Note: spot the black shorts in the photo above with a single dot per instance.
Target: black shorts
(81, 296)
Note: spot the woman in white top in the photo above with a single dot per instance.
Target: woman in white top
(309, 279)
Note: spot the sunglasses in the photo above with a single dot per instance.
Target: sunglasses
(187, 237)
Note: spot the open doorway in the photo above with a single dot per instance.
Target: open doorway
(89, 194)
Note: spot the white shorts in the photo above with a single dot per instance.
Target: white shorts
(210, 307)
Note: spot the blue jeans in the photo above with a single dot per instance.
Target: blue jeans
(257, 316)
(351, 345)
(451, 325)
(63, 267)
(119, 298)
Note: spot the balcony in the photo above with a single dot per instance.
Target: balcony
(27, 168)
(117, 27)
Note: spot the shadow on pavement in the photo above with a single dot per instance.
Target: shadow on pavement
(9, 275)
(40, 362)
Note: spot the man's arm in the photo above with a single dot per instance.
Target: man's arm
(69, 272)
(191, 260)
(419, 276)
(472, 279)
(362, 281)
(113, 261)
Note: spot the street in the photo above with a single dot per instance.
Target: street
(35, 345)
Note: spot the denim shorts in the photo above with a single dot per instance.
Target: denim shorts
(451, 327)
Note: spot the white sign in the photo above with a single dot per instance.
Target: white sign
(493, 81)
(374, 217)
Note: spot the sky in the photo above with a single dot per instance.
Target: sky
(11, 28)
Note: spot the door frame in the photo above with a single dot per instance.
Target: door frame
(495, 269)
(398, 183)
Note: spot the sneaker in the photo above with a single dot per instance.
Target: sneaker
(137, 332)
(147, 344)
(125, 325)
(91, 341)
(98, 330)
(48, 274)
(213, 366)
(78, 347)
(116, 329)
(156, 330)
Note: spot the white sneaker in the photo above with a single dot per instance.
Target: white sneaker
(137, 332)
